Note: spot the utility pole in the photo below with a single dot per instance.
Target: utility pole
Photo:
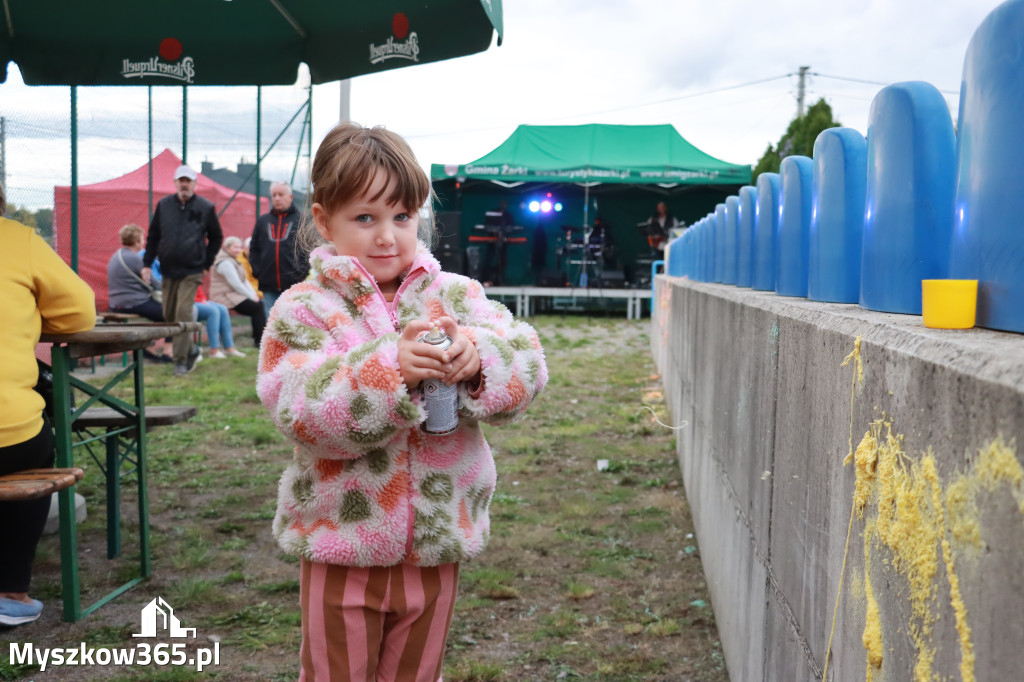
(800, 92)
(346, 99)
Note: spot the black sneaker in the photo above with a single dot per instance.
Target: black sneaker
(180, 370)
(154, 357)
(194, 356)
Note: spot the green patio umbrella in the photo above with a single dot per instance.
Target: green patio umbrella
(244, 42)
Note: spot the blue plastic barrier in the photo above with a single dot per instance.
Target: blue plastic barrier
(709, 250)
(745, 239)
(720, 246)
(988, 233)
(766, 224)
(910, 183)
(697, 265)
(732, 244)
(795, 175)
(693, 253)
(679, 260)
(688, 242)
(837, 216)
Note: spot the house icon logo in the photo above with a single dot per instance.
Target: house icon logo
(158, 615)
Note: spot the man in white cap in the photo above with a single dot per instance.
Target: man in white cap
(185, 235)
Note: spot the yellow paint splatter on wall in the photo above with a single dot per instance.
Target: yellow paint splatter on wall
(912, 522)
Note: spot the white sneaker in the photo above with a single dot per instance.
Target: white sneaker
(217, 354)
(235, 353)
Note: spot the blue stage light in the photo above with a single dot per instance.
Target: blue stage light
(545, 206)
(534, 206)
(558, 206)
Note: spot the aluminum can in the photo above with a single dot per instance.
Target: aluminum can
(440, 400)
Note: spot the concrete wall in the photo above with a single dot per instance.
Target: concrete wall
(758, 378)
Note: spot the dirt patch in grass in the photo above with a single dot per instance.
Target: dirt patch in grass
(592, 572)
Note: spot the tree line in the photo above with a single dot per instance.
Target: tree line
(798, 139)
(41, 220)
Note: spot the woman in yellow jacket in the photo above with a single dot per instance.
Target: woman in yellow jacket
(38, 293)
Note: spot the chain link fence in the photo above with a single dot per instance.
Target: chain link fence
(127, 138)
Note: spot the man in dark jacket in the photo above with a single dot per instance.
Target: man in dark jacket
(272, 253)
(185, 235)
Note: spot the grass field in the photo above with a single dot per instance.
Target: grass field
(590, 574)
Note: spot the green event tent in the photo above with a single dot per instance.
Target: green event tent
(598, 153)
(613, 172)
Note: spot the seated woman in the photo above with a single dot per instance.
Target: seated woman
(229, 287)
(218, 326)
(127, 291)
(38, 294)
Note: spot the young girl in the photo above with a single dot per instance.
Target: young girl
(381, 513)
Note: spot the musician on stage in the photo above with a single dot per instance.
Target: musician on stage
(659, 225)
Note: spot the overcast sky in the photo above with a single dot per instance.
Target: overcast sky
(651, 61)
(717, 71)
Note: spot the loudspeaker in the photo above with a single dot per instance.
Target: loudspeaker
(448, 225)
(475, 262)
(613, 279)
(551, 277)
(448, 245)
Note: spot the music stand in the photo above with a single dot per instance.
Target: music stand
(585, 261)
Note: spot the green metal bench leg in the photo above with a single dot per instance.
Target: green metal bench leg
(113, 496)
(142, 468)
(61, 361)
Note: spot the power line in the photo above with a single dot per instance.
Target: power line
(624, 108)
(680, 97)
(867, 82)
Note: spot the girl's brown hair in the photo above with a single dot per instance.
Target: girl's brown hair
(346, 164)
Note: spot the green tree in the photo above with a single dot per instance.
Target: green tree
(44, 222)
(798, 139)
(23, 216)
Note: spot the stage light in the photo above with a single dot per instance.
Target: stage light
(558, 206)
(545, 206)
(534, 206)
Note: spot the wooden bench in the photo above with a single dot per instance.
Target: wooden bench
(110, 419)
(31, 484)
(112, 317)
(122, 318)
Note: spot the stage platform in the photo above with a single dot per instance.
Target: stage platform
(525, 296)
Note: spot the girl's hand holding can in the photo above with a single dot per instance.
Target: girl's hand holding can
(464, 361)
(418, 361)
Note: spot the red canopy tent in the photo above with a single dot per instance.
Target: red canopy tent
(104, 207)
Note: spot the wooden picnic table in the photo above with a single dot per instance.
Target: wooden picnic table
(125, 438)
(105, 339)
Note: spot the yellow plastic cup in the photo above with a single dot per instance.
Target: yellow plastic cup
(949, 303)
